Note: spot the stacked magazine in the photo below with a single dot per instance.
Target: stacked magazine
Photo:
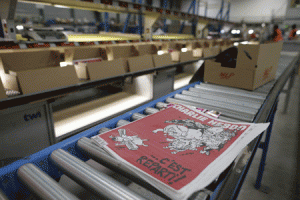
(178, 150)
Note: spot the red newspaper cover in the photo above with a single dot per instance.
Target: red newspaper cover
(174, 145)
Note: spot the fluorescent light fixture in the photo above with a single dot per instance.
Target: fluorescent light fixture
(298, 32)
(251, 31)
(235, 44)
(64, 64)
(19, 27)
(184, 50)
(160, 52)
(245, 42)
(238, 31)
(60, 6)
(233, 32)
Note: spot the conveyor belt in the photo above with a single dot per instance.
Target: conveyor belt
(68, 157)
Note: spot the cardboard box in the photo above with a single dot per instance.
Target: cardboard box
(256, 65)
(212, 51)
(140, 63)
(198, 52)
(23, 60)
(162, 60)
(101, 70)
(2, 91)
(192, 45)
(121, 51)
(144, 49)
(186, 56)
(83, 53)
(31, 81)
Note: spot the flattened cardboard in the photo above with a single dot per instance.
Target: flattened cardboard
(2, 91)
(145, 49)
(22, 60)
(44, 79)
(105, 69)
(162, 60)
(80, 53)
(140, 63)
(256, 65)
(121, 51)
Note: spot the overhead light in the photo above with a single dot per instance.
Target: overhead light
(60, 6)
(298, 32)
(19, 27)
(184, 50)
(222, 31)
(233, 32)
(64, 64)
(235, 44)
(263, 25)
(251, 31)
(238, 31)
(160, 52)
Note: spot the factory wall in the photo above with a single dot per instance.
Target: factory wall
(249, 11)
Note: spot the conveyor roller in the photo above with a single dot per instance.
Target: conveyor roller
(91, 179)
(42, 184)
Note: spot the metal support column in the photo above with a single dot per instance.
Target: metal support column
(194, 23)
(127, 21)
(226, 17)
(106, 18)
(140, 26)
(264, 146)
(193, 4)
(205, 14)
(7, 15)
(165, 5)
(220, 13)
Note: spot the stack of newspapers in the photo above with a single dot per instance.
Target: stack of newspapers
(178, 150)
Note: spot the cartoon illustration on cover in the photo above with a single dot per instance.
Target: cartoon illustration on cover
(189, 135)
(131, 142)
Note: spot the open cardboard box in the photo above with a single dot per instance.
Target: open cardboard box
(212, 51)
(256, 65)
(84, 53)
(81, 56)
(144, 49)
(27, 60)
(174, 49)
(121, 51)
(29, 72)
(140, 63)
(101, 70)
(162, 60)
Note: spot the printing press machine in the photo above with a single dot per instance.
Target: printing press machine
(47, 173)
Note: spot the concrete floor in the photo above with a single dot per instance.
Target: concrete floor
(280, 176)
